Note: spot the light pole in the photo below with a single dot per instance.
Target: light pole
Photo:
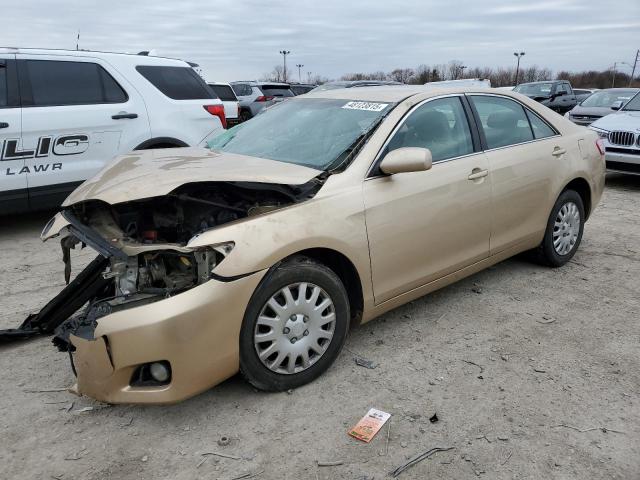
(615, 64)
(284, 54)
(518, 55)
(462, 67)
(299, 65)
(308, 77)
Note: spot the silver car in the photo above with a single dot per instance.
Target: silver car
(599, 104)
(620, 133)
(255, 96)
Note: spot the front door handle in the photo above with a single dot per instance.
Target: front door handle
(120, 116)
(477, 173)
(4, 125)
(558, 151)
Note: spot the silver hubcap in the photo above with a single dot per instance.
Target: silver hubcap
(566, 228)
(294, 328)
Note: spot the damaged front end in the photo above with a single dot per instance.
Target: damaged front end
(144, 253)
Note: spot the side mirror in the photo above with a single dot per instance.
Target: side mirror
(404, 160)
(617, 105)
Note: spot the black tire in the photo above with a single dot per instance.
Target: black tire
(296, 270)
(245, 115)
(547, 253)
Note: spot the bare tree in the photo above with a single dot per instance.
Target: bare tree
(401, 75)
(275, 75)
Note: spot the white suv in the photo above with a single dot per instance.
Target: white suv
(65, 114)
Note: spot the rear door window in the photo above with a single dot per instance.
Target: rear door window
(276, 91)
(224, 92)
(3, 85)
(57, 83)
(242, 89)
(178, 83)
(539, 126)
(504, 122)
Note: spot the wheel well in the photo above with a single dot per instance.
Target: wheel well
(161, 142)
(346, 271)
(581, 186)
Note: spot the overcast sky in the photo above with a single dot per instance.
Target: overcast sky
(240, 39)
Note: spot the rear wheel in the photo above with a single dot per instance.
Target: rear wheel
(294, 327)
(245, 115)
(564, 230)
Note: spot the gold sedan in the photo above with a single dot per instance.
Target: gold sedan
(258, 254)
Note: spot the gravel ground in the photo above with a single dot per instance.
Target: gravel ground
(533, 373)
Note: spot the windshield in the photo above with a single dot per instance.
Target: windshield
(606, 98)
(313, 132)
(633, 105)
(536, 89)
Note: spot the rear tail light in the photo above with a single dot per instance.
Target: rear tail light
(217, 111)
(264, 98)
(600, 146)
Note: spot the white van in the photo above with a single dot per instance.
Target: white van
(64, 114)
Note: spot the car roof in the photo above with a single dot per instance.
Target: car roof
(132, 57)
(397, 93)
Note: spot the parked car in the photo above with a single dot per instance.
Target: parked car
(463, 82)
(64, 114)
(352, 84)
(302, 88)
(323, 212)
(255, 96)
(620, 132)
(506, 89)
(599, 104)
(583, 93)
(555, 94)
(231, 104)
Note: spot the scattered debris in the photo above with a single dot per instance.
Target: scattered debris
(248, 475)
(223, 455)
(379, 342)
(503, 438)
(224, 441)
(145, 458)
(583, 430)
(473, 363)
(508, 457)
(539, 370)
(329, 464)
(127, 424)
(418, 458)
(404, 444)
(78, 455)
(434, 418)
(83, 409)
(485, 437)
(202, 462)
(546, 320)
(386, 448)
(363, 362)
(369, 425)
(48, 390)
(476, 289)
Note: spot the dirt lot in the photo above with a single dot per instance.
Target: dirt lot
(555, 393)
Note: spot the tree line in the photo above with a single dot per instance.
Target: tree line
(455, 70)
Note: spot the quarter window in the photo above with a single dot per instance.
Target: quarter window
(540, 128)
(3, 85)
(55, 83)
(178, 83)
(439, 125)
(503, 121)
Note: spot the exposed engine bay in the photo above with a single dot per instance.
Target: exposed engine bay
(142, 250)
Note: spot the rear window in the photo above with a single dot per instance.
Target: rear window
(57, 83)
(301, 89)
(276, 91)
(3, 85)
(242, 89)
(224, 92)
(178, 83)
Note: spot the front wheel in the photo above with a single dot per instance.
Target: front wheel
(564, 230)
(294, 327)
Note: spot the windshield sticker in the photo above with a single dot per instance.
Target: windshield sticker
(369, 106)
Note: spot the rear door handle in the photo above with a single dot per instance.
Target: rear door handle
(120, 116)
(558, 151)
(477, 173)
(4, 125)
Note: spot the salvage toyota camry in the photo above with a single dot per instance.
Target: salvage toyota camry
(258, 254)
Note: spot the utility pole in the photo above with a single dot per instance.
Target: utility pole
(613, 80)
(284, 54)
(633, 71)
(308, 77)
(78, 40)
(299, 65)
(518, 55)
(462, 67)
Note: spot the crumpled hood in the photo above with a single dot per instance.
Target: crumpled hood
(152, 173)
(622, 120)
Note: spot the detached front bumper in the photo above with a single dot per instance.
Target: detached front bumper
(197, 332)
